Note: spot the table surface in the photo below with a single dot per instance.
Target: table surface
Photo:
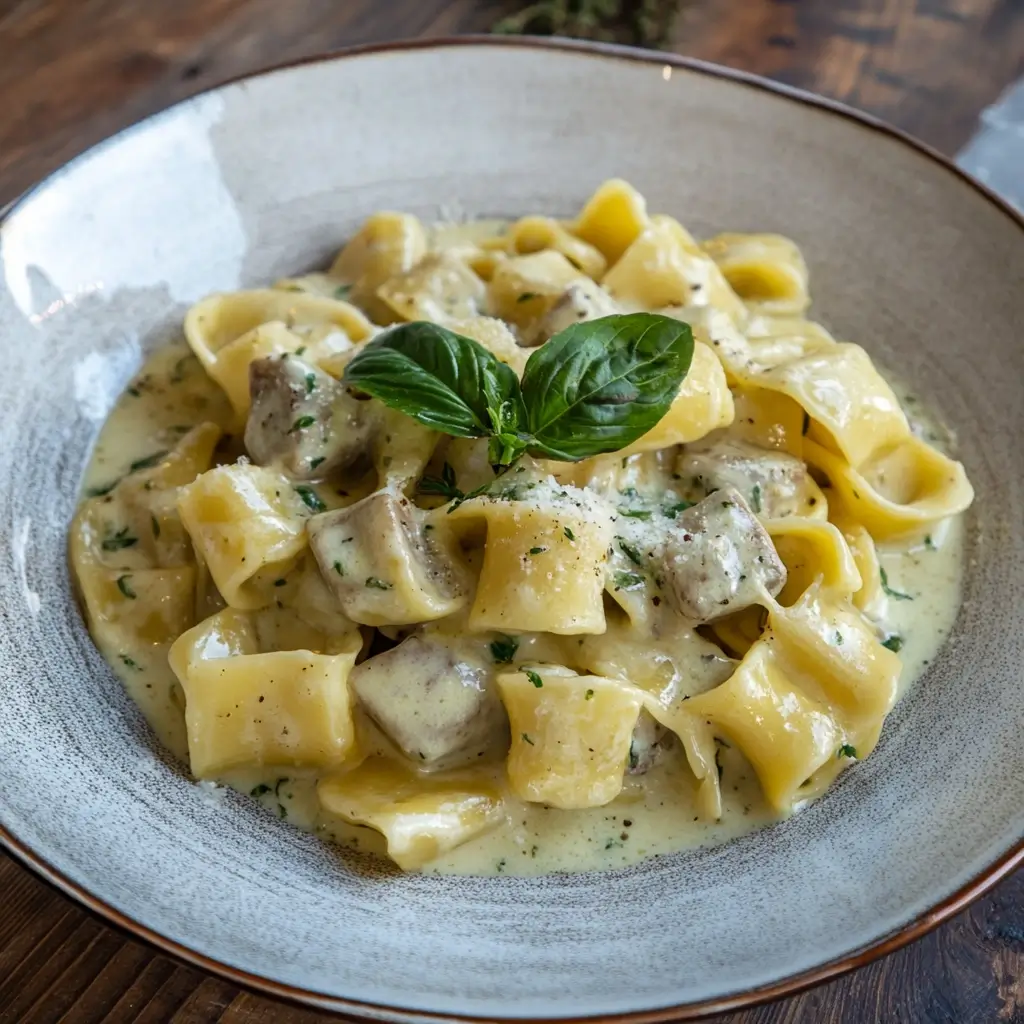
(75, 71)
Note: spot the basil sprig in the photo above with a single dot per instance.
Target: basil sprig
(594, 388)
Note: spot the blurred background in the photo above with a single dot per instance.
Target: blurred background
(74, 71)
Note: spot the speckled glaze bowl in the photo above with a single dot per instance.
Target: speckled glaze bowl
(262, 176)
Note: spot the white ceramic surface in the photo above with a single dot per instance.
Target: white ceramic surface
(269, 175)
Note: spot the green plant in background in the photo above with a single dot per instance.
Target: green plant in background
(637, 22)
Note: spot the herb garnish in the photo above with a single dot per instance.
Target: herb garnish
(894, 642)
(846, 751)
(671, 511)
(593, 388)
(569, 535)
(635, 513)
(504, 648)
(589, 695)
(125, 588)
(628, 580)
(896, 595)
(301, 423)
(310, 383)
(446, 484)
(533, 677)
(537, 551)
(311, 499)
(755, 498)
(313, 463)
(526, 739)
(338, 569)
(130, 662)
(377, 584)
(148, 462)
(629, 551)
(341, 292)
(121, 539)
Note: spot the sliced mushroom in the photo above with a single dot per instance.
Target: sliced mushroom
(385, 563)
(649, 739)
(719, 559)
(436, 703)
(302, 420)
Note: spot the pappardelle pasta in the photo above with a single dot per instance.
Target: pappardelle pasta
(519, 547)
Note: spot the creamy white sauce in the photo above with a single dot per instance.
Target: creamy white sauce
(655, 814)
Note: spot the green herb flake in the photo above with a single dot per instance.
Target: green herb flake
(755, 498)
(148, 462)
(569, 535)
(589, 695)
(929, 543)
(846, 751)
(377, 584)
(302, 423)
(894, 642)
(635, 513)
(299, 351)
(446, 484)
(311, 499)
(130, 662)
(896, 595)
(533, 677)
(838, 638)
(504, 648)
(125, 587)
(341, 292)
(671, 511)
(310, 383)
(339, 569)
(313, 463)
(537, 551)
(628, 580)
(629, 551)
(526, 739)
(121, 539)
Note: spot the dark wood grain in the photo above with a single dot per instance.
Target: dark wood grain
(74, 71)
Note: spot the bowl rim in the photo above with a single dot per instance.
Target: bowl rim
(914, 929)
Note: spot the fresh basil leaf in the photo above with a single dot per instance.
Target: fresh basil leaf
(600, 385)
(441, 379)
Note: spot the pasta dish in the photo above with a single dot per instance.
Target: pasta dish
(521, 546)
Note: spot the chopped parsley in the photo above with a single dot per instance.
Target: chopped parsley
(313, 463)
(569, 535)
(338, 569)
(341, 292)
(526, 739)
(504, 648)
(446, 484)
(310, 383)
(589, 695)
(629, 551)
(847, 751)
(838, 639)
(673, 510)
(894, 642)
(148, 462)
(635, 513)
(896, 595)
(121, 539)
(311, 499)
(755, 498)
(130, 662)
(628, 580)
(298, 351)
(125, 588)
(929, 543)
(533, 677)
(377, 584)
(302, 422)
(537, 551)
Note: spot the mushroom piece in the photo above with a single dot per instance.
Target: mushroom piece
(434, 702)
(385, 563)
(649, 738)
(774, 483)
(718, 559)
(302, 420)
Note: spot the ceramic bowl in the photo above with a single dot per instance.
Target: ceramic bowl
(270, 174)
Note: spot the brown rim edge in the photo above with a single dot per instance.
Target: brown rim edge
(792, 985)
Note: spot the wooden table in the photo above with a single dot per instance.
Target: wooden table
(74, 71)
